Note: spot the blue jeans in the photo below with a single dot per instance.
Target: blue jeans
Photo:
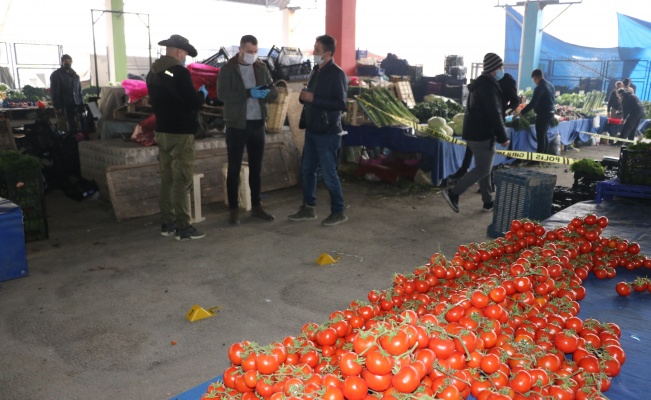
(321, 149)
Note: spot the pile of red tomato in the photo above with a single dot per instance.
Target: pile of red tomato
(497, 321)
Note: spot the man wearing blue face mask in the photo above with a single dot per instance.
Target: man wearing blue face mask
(245, 86)
(483, 125)
(543, 104)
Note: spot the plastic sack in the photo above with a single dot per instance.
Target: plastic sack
(144, 132)
(135, 89)
(203, 74)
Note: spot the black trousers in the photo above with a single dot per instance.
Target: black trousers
(542, 126)
(630, 126)
(252, 138)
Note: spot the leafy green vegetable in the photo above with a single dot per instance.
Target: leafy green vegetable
(439, 107)
(34, 94)
(379, 104)
(588, 167)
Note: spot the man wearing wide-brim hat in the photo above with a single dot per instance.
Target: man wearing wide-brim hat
(176, 105)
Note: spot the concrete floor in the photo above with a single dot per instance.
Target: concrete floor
(104, 300)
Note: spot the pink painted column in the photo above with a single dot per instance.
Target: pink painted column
(340, 24)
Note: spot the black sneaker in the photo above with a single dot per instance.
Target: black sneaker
(259, 212)
(304, 213)
(335, 219)
(167, 230)
(452, 199)
(488, 207)
(189, 233)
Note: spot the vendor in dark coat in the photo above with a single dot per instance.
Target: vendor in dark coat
(614, 106)
(67, 98)
(543, 103)
(633, 111)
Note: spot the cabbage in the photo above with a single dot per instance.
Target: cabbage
(448, 130)
(458, 124)
(430, 98)
(436, 122)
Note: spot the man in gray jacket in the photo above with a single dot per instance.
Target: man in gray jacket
(245, 86)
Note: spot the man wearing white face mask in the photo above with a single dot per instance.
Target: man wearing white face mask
(245, 86)
(323, 101)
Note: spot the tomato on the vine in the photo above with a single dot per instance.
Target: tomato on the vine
(623, 289)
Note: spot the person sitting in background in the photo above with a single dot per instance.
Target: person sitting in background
(632, 110)
(67, 99)
(614, 107)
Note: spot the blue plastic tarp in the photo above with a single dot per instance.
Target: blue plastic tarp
(569, 63)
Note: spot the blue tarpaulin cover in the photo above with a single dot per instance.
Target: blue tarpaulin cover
(632, 57)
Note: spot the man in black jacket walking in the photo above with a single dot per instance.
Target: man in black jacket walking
(483, 125)
(176, 105)
(510, 102)
(67, 98)
(324, 99)
(543, 103)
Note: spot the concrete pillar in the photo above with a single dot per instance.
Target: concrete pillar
(288, 27)
(530, 45)
(117, 45)
(340, 24)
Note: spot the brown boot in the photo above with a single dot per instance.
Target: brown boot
(234, 218)
(259, 212)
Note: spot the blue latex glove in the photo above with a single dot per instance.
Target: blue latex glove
(258, 93)
(203, 90)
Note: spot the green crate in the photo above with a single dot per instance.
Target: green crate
(24, 187)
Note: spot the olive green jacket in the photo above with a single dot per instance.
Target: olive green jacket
(231, 91)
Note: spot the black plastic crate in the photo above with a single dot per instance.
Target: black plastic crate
(635, 167)
(296, 72)
(218, 59)
(520, 193)
(290, 56)
(369, 70)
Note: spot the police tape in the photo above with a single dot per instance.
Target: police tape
(609, 137)
(528, 156)
(521, 155)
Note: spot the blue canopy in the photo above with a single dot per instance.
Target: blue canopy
(570, 65)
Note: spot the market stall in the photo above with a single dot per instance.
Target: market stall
(440, 157)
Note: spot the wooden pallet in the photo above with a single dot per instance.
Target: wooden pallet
(132, 112)
(212, 111)
(404, 93)
(355, 115)
(134, 189)
(7, 141)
